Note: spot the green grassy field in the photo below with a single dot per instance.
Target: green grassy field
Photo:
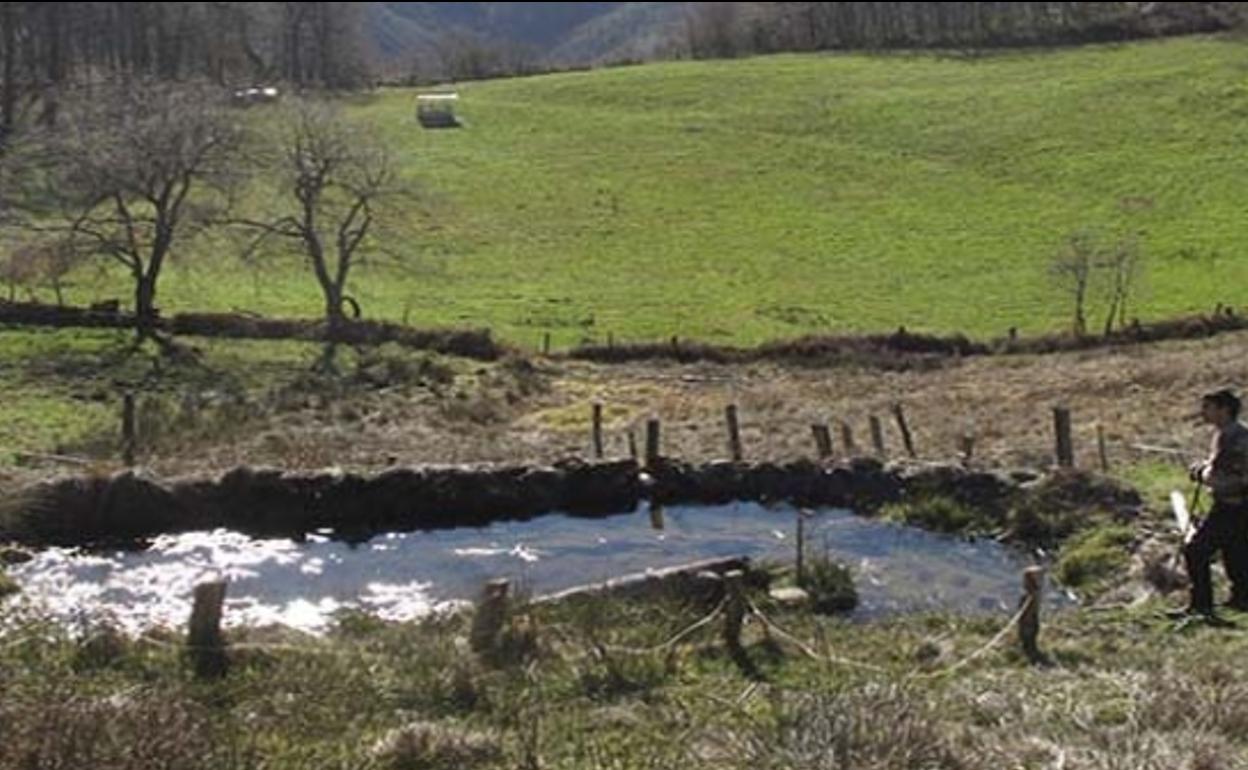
(745, 200)
(738, 201)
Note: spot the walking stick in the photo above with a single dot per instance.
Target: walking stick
(1183, 519)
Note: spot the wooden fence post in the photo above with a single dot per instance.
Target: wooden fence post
(1102, 448)
(847, 439)
(597, 430)
(734, 432)
(652, 443)
(734, 609)
(129, 440)
(801, 548)
(877, 437)
(490, 615)
(546, 344)
(657, 519)
(967, 447)
(823, 439)
(204, 640)
(1029, 621)
(900, 415)
(632, 445)
(1061, 427)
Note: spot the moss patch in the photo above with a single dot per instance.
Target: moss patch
(939, 514)
(1094, 557)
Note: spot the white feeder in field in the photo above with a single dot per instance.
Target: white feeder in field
(437, 110)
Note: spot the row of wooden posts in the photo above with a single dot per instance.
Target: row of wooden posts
(207, 648)
(1064, 443)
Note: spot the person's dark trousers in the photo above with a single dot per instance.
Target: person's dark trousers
(1225, 530)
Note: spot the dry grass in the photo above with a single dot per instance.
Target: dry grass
(518, 412)
(1124, 692)
(137, 729)
(433, 746)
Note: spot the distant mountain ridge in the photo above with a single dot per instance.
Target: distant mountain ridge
(563, 33)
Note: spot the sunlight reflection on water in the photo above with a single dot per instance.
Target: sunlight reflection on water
(403, 575)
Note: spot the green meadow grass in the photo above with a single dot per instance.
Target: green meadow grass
(740, 201)
(737, 201)
(61, 390)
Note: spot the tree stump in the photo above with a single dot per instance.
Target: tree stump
(490, 615)
(205, 642)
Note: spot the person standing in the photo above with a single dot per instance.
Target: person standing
(1225, 529)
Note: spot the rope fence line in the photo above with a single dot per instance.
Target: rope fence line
(913, 675)
(359, 654)
(207, 645)
(315, 650)
(680, 635)
(1010, 626)
(806, 649)
(770, 625)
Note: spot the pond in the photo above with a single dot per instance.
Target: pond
(403, 575)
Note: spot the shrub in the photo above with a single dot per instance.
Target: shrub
(830, 585)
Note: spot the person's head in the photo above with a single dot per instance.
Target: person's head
(1220, 406)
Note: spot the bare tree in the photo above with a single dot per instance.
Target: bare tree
(18, 271)
(131, 174)
(48, 48)
(40, 264)
(1086, 270)
(1072, 268)
(336, 182)
(1123, 264)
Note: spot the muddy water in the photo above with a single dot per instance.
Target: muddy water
(404, 575)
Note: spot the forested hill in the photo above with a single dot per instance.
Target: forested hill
(472, 40)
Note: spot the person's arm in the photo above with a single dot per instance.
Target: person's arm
(1199, 470)
(1227, 471)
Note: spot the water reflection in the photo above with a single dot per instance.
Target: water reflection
(401, 575)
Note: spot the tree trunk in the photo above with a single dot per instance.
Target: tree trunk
(145, 307)
(54, 68)
(334, 317)
(1081, 324)
(8, 100)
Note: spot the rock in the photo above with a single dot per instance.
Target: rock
(1156, 565)
(12, 555)
(1023, 476)
(432, 745)
(790, 596)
